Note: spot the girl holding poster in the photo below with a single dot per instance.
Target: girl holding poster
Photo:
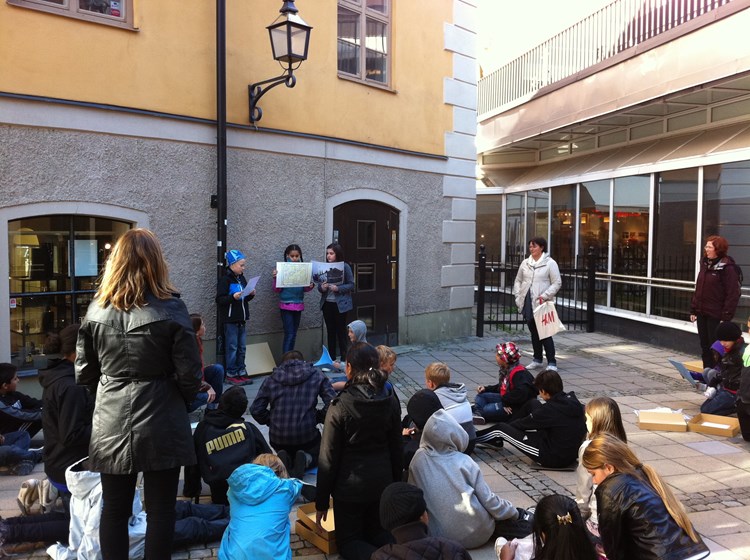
(291, 301)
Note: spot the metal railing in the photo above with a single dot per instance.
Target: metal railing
(616, 27)
(496, 305)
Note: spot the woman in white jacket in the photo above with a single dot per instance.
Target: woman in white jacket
(537, 281)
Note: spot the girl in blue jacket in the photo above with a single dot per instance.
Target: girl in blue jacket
(291, 301)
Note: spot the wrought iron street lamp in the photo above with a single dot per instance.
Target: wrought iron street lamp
(290, 39)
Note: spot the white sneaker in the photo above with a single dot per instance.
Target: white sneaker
(551, 367)
(534, 365)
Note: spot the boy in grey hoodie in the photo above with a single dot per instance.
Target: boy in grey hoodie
(461, 505)
(437, 377)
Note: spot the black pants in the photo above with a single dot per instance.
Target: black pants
(46, 527)
(160, 493)
(743, 415)
(548, 345)
(358, 529)
(707, 336)
(336, 329)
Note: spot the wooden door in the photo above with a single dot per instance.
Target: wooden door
(368, 232)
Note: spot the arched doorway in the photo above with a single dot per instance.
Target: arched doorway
(368, 232)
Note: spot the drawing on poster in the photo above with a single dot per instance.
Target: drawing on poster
(293, 274)
(332, 273)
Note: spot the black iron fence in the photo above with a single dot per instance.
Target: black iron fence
(496, 305)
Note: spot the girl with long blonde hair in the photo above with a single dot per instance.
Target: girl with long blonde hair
(639, 516)
(137, 350)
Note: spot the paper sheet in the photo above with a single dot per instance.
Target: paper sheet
(250, 286)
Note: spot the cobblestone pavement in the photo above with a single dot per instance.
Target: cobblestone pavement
(710, 474)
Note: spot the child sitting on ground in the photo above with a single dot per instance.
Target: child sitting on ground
(602, 417)
(639, 516)
(403, 512)
(559, 534)
(420, 407)
(18, 412)
(552, 434)
(721, 401)
(514, 395)
(287, 403)
(387, 359)
(15, 456)
(461, 505)
(212, 382)
(261, 497)
(223, 442)
(453, 398)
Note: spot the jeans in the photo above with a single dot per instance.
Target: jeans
(234, 348)
(118, 490)
(722, 404)
(707, 336)
(490, 406)
(199, 523)
(547, 344)
(290, 321)
(214, 376)
(16, 449)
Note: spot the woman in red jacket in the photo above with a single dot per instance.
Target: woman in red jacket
(717, 292)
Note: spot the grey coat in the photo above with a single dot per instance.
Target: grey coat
(144, 366)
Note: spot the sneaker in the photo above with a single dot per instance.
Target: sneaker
(478, 419)
(552, 367)
(496, 443)
(246, 379)
(534, 365)
(22, 468)
(235, 380)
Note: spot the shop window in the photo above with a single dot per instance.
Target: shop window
(515, 235)
(562, 240)
(594, 222)
(630, 223)
(118, 13)
(489, 220)
(364, 40)
(675, 223)
(537, 213)
(54, 263)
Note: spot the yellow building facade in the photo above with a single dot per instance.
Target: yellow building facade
(108, 121)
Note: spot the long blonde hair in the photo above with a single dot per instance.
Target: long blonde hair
(606, 449)
(605, 418)
(135, 268)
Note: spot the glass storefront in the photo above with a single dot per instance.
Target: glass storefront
(54, 262)
(646, 264)
(489, 223)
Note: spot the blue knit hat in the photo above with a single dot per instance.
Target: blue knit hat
(233, 256)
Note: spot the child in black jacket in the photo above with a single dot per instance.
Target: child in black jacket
(223, 442)
(18, 412)
(552, 433)
(234, 311)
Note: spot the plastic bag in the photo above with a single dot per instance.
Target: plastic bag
(547, 320)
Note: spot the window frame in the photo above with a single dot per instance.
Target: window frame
(71, 9)
(363, 12)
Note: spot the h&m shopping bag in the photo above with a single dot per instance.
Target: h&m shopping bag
(547, 320)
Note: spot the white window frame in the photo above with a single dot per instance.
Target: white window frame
(71, 9)
(360, 8)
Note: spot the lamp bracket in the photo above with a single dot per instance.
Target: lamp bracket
(256, 91)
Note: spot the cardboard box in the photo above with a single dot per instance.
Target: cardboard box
(664, 421)
(714, 425)
(326, 546)
(306, 528)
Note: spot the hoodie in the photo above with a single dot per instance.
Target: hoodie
(460, 504)
(287, 403)
(455, 401)
(66, 418)
(259, 526)
(360, 331)
(560, 424)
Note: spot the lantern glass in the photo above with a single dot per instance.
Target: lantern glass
(290, 39)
